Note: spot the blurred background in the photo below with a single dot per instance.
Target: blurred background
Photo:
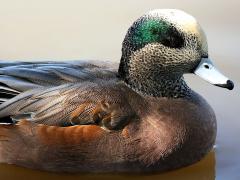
(33, 30)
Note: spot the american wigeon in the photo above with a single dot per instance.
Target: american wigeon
(88, 117)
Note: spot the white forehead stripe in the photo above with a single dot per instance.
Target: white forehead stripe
(176, 14)
(177, 17)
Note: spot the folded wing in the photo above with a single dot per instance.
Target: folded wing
(90, 102)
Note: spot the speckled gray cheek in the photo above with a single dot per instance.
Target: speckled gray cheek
(157, 71)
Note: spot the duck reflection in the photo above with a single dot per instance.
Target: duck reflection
(205, 169)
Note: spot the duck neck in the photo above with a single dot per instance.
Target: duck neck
(172, 88)
(147, 81)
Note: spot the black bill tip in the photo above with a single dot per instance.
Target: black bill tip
(229, 85)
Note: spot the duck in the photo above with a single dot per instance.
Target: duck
(100, 116)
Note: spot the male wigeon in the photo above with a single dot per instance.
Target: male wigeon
(81, 116)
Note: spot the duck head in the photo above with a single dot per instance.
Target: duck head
(160, 47)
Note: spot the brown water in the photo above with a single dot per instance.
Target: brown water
(59, 30)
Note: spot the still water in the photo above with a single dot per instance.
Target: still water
(60, 30)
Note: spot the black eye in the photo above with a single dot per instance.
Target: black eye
(173, 39)
(154, 31)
